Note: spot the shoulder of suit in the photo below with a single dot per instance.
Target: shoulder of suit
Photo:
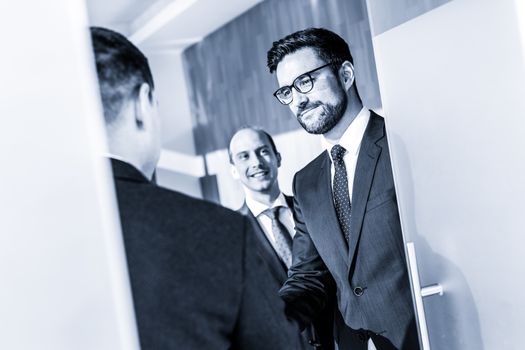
(243, 210)
(375, 115)
(379, 127)
(205, 207)
(313, 165)
(376, 118)
(174, 203)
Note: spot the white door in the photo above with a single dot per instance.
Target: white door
(63, 279)
(452, 83)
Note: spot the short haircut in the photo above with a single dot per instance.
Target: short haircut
(257, 129)
(121, 70)
(329, 46)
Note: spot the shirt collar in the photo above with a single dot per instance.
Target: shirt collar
(114, 156)
(257, 207)
(152, 178)
(351, 139)
(124, 170)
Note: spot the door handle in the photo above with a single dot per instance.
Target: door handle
(420, 293)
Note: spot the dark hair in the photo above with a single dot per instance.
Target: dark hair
(121, 70)
(257, 129)
(330, 47)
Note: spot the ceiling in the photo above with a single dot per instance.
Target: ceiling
(172, 24)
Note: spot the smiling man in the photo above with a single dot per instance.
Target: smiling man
(346, 215)
(255, 162)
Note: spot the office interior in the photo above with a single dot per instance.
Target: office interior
(448, 75)
(212, 79)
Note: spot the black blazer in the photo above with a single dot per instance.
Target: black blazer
(323, 326)
(373, 291)
(196, 280)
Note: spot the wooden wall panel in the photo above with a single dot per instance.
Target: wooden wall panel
(229, 84)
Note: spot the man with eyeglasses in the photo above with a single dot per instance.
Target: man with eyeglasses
(345, 208)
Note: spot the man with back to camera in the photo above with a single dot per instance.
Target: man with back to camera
(255, 162)
(346, 214)
(197, 279)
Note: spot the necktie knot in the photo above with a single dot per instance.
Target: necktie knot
(272, 213)
(338, 153)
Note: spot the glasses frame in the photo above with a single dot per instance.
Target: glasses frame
(293, 86)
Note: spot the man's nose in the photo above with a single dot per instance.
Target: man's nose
(255, 160)
(299, 99)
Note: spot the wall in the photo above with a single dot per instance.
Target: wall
(176, 170)
(455, 126)
(62, 262)
(384, 16)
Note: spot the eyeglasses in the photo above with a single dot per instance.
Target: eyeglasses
(303, 84)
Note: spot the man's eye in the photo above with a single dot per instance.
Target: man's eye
(285, 92)
(265, 151)
(304, 82)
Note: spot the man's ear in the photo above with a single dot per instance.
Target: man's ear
(234, 172)
(143, 106)
(278, 156)
(346, 73)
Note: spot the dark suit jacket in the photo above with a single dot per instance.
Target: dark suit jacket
(324, 324)
(196, 280)
(373, 291)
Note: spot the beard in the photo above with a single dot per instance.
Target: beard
(326, 118)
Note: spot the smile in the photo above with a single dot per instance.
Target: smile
(307, 111)
(259, 174)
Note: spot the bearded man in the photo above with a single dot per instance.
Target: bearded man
(345, 208)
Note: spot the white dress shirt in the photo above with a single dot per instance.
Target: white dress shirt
(285, 216)
(351, 141)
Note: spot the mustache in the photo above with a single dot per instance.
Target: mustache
(307, 107)
(257, 169)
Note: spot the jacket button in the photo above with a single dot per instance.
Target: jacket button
(358, 291)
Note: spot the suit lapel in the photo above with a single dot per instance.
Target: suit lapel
(277, 267)
(364, 174)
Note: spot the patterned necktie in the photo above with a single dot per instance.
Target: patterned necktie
(283, 241)
(340, 189)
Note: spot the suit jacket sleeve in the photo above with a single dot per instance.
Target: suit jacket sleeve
(309, 284)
